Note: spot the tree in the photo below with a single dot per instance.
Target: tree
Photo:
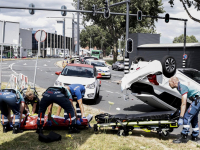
(99, 38)
(115, 25)
(189, 39)
(189, 3)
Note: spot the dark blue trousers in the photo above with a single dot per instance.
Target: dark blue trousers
(9, 99)
(191, 116)
(55, 96)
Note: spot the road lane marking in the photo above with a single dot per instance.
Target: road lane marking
(109, 92)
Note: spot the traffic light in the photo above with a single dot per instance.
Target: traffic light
(31, 11)
(129, 45)
(167, 18)
(139, 15)
(106, 4)
(106, 13)
(63, 13)
(94, 9)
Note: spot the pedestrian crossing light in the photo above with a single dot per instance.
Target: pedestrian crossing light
(167, 18)
(139, 15)
(129, 45)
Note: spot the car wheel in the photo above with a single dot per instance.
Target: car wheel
(110, 77)
(112, 67)
(117, 68)
(169, 66)
(137, 59)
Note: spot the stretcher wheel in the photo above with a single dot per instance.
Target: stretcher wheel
(95, 128)
(165, 134)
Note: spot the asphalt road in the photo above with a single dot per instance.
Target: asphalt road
(110, 90)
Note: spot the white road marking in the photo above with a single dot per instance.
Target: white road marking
(5, 75)
(12, 69)
(45, 65)
(25, 64)
(109, 92)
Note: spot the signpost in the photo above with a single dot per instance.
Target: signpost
(40, 36)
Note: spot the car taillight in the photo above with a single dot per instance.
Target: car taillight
(152, 79)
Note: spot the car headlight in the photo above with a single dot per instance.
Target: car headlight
(91, 86)
(58, 83)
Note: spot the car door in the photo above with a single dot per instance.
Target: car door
(97, 81)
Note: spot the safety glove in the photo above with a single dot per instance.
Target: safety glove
(78, 122)
(49, 123)
(180, 121)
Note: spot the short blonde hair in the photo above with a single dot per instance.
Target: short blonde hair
(29, 92)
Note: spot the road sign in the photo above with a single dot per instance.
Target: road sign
(40, 35)
(185, 56)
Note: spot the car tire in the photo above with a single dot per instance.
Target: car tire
(137, 59)
(109, 77)
(112, 68)
(117, 68)
(169, 66)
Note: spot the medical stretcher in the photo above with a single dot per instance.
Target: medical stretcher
(30, 122)
(162, 122)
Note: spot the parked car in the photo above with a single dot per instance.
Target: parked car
(90, 57)
(149, 82)
(118, 65)
(80, 74)
(76, 58)
(101, 67)
(3, 56)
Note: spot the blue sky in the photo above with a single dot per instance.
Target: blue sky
(39, 21)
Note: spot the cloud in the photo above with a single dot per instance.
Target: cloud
(176, 28)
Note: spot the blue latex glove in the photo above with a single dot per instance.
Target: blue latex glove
(65, 120)
(78, 122)
(81, 119)
(180, 121)
(49, 123)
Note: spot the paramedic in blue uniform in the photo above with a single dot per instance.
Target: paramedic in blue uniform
(11, 99)
(61, 96)
(189, 116)
(77, 90)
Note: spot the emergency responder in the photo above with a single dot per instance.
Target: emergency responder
(61, 96)
(65, 62)
(77, 90)
(191, 115)
(71, 59)
(15, 101)
(31, 97)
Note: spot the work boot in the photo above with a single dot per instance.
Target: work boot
(39, 129)
(73, 129)
(194, 138)
(6, 128)
(182, 139)
(16, 129)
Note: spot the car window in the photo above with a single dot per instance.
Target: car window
(98, 64)
(193, 74)
(78, 71)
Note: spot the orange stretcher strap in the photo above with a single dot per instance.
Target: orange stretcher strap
(3, 119)
(14, 119)
(40, 118)
(70, 118)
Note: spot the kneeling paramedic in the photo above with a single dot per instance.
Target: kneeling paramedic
(30, 97)
(191, 115)
(77, 90)
(60, 96)
(13, 100)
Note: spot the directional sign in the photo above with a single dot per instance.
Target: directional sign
(185, 56)
(40, 35)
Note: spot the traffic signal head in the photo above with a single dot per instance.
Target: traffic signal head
(106, 3)
(31, 11)
(94, 9)
(129, 45)
(139, 15)
(167, 18)
(63, 13)
(106, 13)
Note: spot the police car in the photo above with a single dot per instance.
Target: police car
(101, 67)
(149, 82)
(80, 74)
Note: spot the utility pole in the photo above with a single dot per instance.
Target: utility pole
(73, 50)
(64, 40)
(78, 32)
